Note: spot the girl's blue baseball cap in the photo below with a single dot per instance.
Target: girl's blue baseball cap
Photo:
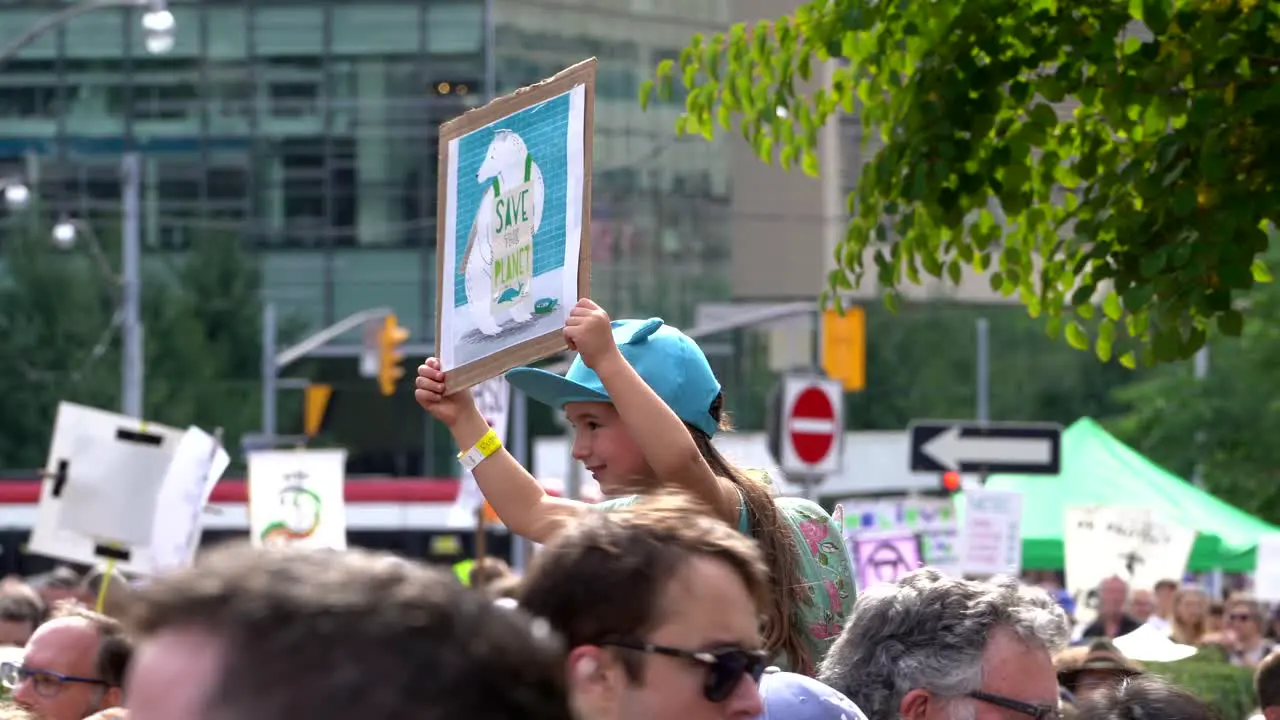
(669, 361)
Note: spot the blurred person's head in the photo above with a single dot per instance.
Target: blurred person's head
(119, 591)
(1144, 697)
(1113, 594)
(661, 607)
(61, 583)
(1101, 666)
(1214, 619)
(1190, 615)
(507, 587)
(262, 635)
(72, 666)
(1266, 686)
(930, 646)
(1164, 591)
(20, 614)
(1243, 616)
(1142, 605)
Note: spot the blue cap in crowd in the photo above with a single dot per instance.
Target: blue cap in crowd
(790, 696)
(669, 361)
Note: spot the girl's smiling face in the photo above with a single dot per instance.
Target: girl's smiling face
(602, 443)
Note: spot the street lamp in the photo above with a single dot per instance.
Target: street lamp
(16, 192)
(65, 234)
(158, 25)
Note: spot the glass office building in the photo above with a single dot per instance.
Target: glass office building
(309, 130)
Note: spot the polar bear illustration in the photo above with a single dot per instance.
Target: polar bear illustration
(507, 164)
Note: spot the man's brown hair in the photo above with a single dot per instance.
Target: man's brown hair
(602, 579)
(115, 648)
(341, 635)
(19, 606)
(1266, 681)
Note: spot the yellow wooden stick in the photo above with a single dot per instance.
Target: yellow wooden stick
(106, 580)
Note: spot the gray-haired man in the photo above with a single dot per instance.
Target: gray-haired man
(932, 647)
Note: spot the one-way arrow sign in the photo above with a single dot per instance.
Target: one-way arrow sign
(973, 447)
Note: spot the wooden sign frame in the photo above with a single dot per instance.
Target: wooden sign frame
(522, 340)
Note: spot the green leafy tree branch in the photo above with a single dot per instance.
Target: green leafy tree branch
(1109, 164)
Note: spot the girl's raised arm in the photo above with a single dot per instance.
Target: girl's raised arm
(515, 495)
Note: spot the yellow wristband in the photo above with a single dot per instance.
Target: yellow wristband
(484, 447)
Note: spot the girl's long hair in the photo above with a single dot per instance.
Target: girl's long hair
(1188, 633)
(783, 631)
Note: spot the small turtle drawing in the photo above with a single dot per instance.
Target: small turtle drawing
(510, 294)
(545, 305)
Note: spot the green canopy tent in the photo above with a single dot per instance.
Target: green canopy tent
(1098, 469)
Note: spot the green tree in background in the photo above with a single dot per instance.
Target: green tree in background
(1116, 181)
(202, 319)
(1228, 422)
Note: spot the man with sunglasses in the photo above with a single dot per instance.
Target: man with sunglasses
(72, 667)
(933, 647)
(660, 605)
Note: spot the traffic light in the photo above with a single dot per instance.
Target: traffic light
(390, 338)
(315, 403)
(844, 347)
(951, 482)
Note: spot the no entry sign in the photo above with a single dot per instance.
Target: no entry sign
(809, 426)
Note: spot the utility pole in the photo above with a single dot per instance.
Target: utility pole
(983, 380)
(132, 359)
(270, 372)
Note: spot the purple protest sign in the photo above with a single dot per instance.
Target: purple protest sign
(885, 557)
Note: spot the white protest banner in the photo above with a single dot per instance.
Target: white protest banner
(991, 535)
(1133, 544)
(197, 465)
(1266, 581)
(109, 486)
(296, 498)
(493, 400)
(885, 557)
(932, 520)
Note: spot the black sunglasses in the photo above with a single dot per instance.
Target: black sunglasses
(725, 668)
(1039, 712)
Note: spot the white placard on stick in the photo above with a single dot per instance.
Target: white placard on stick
(109, 487)
(1266, 580)
(1133, 544)
(296, 498)
(991, 536)
(198, 463)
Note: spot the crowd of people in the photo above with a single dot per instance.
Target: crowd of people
(694, 593)
(654, 610)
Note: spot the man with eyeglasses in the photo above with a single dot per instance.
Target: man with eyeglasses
(72, 667)
(660, 605)
(933, 647)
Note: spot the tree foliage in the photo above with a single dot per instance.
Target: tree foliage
(1111, 164)
(1225, 423)
(202, 318)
